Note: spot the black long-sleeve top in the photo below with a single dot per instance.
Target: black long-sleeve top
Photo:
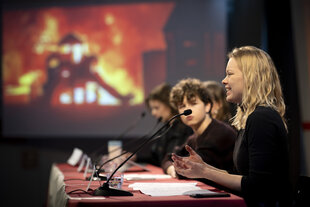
(261, 156)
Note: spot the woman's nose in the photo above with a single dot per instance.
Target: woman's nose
(224, 81)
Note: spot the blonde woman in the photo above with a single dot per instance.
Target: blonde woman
(261, 153)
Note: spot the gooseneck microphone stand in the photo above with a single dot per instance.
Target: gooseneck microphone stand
(105, 189)
(121, 136)
(98, 170)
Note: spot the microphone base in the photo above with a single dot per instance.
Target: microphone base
(105, 190)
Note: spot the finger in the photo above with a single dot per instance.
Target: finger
(173, 174)
(179, 164)
(182, 165)
(177, 167)
(173, 157)
(176, 157)
(190, 150)
(180, 171)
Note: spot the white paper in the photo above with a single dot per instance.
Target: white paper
(135, 176)
(87, 198)
(75, 157)
(164, 189)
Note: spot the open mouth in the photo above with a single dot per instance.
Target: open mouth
(228, 90)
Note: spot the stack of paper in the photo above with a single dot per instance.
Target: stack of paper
(164, 189)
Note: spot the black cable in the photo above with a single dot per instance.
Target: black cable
(73, 191)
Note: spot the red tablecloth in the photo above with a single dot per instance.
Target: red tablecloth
(73, 180)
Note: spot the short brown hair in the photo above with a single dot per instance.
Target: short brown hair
(189, 88)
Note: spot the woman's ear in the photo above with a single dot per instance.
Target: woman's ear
(208, 107)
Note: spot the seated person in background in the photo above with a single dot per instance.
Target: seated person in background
(213, 140)
(220, 108)
(158, 103)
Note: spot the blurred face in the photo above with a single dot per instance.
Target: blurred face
(198, 115)
(215, 108)
(233, 82)
(159, 109)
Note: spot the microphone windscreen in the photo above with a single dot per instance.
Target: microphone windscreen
(159, 119)
(187, 112)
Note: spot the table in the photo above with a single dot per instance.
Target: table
(65, 178)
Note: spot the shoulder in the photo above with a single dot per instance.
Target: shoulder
(223, 125)
(265, 121)
(223, 128)
(264, 115)
(180, 128)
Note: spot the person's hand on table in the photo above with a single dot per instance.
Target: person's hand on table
(171, 171)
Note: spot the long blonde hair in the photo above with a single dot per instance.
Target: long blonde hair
(261, 83)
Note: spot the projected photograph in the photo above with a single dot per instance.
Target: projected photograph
(86, 69)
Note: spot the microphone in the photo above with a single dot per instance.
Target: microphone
(105, 189)
(186, 112)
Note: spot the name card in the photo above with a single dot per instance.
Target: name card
(75, 157)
